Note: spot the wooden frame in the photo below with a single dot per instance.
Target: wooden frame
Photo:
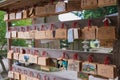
(9, 5)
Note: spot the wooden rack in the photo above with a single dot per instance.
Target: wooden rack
(44, 15)
(10, 5)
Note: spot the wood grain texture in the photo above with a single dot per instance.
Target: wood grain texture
(9, 5)
(116, 47)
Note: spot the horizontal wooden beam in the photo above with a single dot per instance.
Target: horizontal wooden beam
(6, 3)
(9, 5)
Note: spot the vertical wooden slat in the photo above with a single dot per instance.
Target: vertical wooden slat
(9, 42)
(118, 53)
(118, 27)
(116, 48)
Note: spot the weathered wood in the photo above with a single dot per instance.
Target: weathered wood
(95, 22)
(9, 42)
(116, 48)
(118, 22)
(76, 45)
(9, 5)
(8, 2)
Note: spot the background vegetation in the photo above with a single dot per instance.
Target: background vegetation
(96, 13)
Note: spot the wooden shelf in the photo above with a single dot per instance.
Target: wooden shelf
(57, 53)
(38, 39)
(43, 15)
(10, 5)
(74, 51)
(48, 74)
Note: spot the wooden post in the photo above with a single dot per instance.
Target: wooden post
(9, 41)
(116, 48)
(118, 27)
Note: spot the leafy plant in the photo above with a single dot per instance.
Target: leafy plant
(96, 13)
(3, 41)
(100, 12)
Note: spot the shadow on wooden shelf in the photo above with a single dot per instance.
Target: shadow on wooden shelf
(83, 56)
(43, 15)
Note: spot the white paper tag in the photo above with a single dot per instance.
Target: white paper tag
(8, 35)
(19, 15)
(60, 7)
(14, 34)
(76, 35)
(70, 35)
(12, 16)
(6, 17)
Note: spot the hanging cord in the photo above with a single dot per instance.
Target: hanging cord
(63, 55)
(52, 1)
(106, 22)
(90, 58)
(89, 23)
(45, 77)
(75, 56)
(107, 60)
(62, 26)
(38, 76)
(44, 54)
(36, 52)
(54, 78)
(74, 24)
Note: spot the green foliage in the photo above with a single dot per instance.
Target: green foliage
(19, 42)
(3, 40)
(2, 0)
(3, 53)
(22, 22)
(100, 12)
